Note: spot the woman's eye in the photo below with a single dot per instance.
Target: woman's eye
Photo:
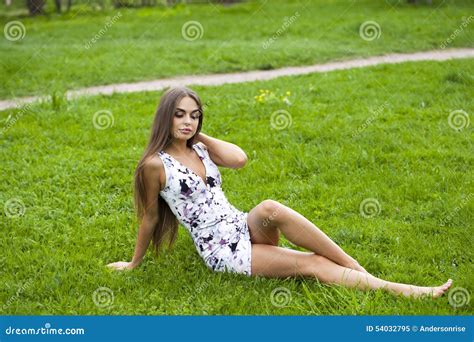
(194, 116)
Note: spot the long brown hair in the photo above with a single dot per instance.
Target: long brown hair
(160, 138)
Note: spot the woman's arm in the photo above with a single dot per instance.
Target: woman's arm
(223, 153)
(150, 217)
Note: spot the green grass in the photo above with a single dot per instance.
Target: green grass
(147, 43)
(75, 182)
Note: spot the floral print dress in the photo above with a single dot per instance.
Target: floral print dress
(219, 230)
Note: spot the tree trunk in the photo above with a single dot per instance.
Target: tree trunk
(58, 5)
(35, 6)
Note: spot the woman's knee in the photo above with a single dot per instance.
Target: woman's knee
(270, 209)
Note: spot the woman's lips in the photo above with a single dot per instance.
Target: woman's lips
(185, 131)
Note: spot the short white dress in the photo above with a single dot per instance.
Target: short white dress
(218, 229)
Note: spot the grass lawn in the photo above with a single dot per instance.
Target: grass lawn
(147, 43)
(379, 133)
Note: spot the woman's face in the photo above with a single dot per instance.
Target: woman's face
(185, 119)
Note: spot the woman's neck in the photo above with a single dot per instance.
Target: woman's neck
(179, 148)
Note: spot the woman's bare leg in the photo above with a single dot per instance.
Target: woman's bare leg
(270, 216)
(278, 262)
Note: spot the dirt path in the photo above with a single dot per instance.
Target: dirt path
(218, 79)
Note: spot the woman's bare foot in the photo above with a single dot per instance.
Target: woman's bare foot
(420, 291)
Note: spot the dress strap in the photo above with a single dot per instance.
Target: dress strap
(201, 150)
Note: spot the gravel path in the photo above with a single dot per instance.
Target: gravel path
(218, 79)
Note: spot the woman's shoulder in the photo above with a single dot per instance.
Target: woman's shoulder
(153, 162)
(153, 167)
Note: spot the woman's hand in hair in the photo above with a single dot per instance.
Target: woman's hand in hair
(122, 265)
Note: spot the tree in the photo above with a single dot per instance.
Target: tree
(35, 6)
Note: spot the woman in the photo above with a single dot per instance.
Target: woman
(177, 180)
